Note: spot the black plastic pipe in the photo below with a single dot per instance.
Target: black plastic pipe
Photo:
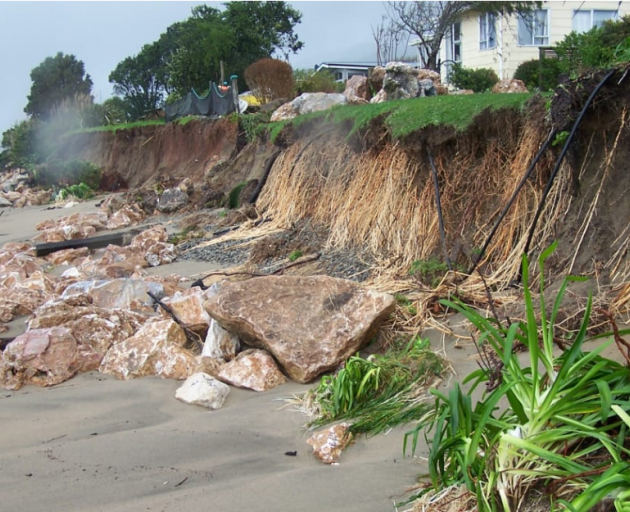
(526, 176)
(439, 209)
(576, 125)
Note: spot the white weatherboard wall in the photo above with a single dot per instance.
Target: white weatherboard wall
(505, 57)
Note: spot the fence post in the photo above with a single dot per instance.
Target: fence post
(234, 80)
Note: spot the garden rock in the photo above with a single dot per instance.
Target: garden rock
(380, 97)
(252, 369)
(509, 86)
(156, 349)
(43, 357)
(401, 81)
(172, 200)
(376, 78)
(357, 90)
(309, 324)
(219, 343)
(329, 443)
(204, 390)
(306, 103)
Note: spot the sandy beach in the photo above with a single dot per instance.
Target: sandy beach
(95, 443)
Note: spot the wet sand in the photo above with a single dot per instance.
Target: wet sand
(95, 443)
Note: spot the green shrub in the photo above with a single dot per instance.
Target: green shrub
(234, 195)
(295, 255)
(60, 174)
(594, 49)
(539, 74)
(320, 81)
(80, 191)
(478, 80)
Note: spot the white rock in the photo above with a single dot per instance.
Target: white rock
(220, 344)
(204, 390)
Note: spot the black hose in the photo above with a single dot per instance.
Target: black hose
(560, 158)
(263, 180)
(526, 176)
(439, 209)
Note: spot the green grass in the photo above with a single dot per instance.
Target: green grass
(295, 255)
(403, 117)
(118, 127)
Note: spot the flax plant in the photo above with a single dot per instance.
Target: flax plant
(557, 423)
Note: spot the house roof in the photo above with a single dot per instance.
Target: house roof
(346, 65)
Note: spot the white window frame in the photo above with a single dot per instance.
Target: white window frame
(592, 12)
(533, 26)
(487, 21)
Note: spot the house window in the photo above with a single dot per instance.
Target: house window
(454, 43)
(533, 29)
(487, 31)
(583, 21)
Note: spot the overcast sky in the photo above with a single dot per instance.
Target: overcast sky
(101, 34)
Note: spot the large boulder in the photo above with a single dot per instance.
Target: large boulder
(172, 200)
(358, 90)
(401, 81)
(252, 369)
(309, 324)
(121, 293)
(125, 216)
(219, 343)
(307, 103)
(43, 357)
(156, 349)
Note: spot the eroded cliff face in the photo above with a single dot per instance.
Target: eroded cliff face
(166, 153)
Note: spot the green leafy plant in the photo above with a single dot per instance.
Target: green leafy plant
(429, 272)
(478, 80)
(80, 191)
(560, 138)
(378, 392)
(234, 195)
(564, 427)
(538, 74)
(295, 255)
(406, 303)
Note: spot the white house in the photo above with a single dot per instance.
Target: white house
(343, 71)
(483, 40)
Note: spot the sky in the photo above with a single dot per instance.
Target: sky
(101, 34)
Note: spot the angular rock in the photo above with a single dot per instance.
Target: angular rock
(188, 308)
(172, 200)
(379, 97)
(424, 74)
(160, 253)
(220, 344)
(509, 86)
(65, 232)
(376, 78)
(308, 102)
(130, 294)
(204, 390)
(252, 369)
(67, 255)
(11, 249)
(43, 357)
(427, 88)
(309, 324)
(5, 203)
(329, 443)
(357, 90)
(156, 349)
(126, 216)
(95, 329)
(401, 81)
(148, 237)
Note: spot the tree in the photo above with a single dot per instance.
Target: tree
(389, 38)
(55, 79)
(141, 80)
(431, 21)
